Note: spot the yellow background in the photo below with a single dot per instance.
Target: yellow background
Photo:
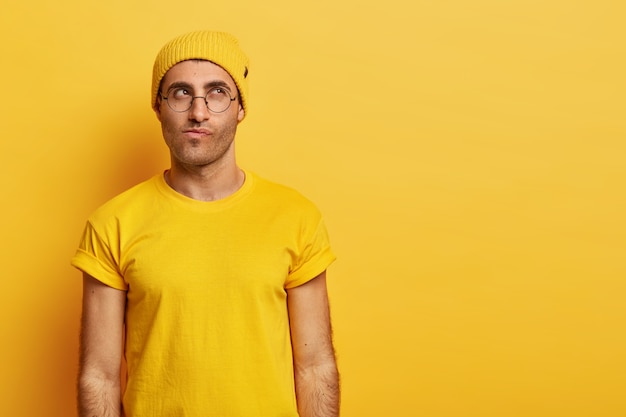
(469, 158)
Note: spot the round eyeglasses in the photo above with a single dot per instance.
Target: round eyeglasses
(180, 99)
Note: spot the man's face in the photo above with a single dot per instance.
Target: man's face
(198, 137)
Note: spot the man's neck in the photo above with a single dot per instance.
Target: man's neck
(205, 183)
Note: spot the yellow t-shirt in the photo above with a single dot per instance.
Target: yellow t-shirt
(207, 329)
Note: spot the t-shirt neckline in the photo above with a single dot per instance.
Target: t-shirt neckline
(220, 204)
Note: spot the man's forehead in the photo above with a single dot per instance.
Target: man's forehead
(183, 71)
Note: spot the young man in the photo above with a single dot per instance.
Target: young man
(208, 279)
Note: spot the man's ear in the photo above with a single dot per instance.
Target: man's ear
(157, 108)
(241, 113)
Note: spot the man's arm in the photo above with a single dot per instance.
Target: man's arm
(316, 375)
(102, 328)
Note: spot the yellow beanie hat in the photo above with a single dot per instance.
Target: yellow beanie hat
(218, 47)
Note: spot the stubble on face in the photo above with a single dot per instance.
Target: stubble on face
(199, 151)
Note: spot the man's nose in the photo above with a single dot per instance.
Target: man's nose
(199, 110)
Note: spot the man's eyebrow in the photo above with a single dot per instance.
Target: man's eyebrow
(208, 86)
(217, 83)
(179, 84)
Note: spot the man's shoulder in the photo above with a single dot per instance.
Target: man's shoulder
(280, 194)
(136, 198)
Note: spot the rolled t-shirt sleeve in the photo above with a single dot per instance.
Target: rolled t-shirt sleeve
(98, 258)
(314, 258)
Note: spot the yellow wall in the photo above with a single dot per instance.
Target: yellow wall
(469, 157)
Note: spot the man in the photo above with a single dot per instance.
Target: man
(207, 279)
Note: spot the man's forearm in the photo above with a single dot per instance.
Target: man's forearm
(98, 397)
(317, 391)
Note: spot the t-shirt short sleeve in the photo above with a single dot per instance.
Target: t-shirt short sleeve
(96, 257)
(315, 256)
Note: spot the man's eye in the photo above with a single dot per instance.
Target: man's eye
(218, 91)
(180, 93)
